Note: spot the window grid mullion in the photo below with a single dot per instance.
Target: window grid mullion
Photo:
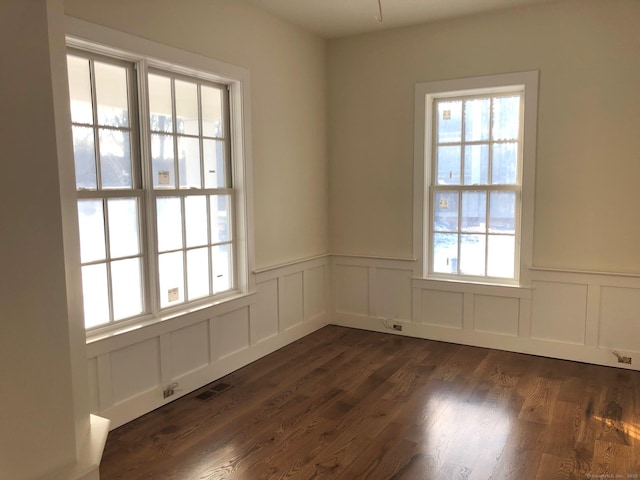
(174, 134)
(108, 260)
(184, 249)
(94, 114)
(209, 247)
(487, 206)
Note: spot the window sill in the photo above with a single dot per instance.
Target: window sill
(469, 286)
(191, 314)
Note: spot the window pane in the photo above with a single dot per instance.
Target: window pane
(126, 285)
(91, 226)
(476, 120)
(472, 254)
(501, 256)
(448, 165)
(504, 169)
(449, 121)
(95, 294)
(222, 267)
(84, 156)
(474, 212)
(112, 95)
(189, 162)
(169, 218)
(446, 212)
(198, 273)
(445, 253)
(195, 213)
(212, 125)
(220, 218)
(115, 158)
(215, 173)
(476, 164)
(162, 161)
(161, 119)
(124, 238)
(171, 278)
(502, 212)
(80, 89)
(187, 108)
(506, 118)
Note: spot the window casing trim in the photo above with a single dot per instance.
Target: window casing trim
(490, 84)
(146, 55)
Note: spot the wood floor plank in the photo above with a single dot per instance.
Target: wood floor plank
(349, 404)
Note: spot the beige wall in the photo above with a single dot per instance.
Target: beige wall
(588, 162)
(287, 68)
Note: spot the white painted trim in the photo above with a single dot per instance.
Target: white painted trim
(538, 347)
(121, 45)
(566, 343)
(426, 91)
(91, 449)
(270, 273)
(511, 291)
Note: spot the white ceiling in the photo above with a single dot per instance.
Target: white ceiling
(337, 18)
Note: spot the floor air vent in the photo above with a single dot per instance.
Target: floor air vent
(213, 391)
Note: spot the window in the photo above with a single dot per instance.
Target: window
(157, 196)
(477, 181)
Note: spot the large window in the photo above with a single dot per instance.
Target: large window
(478, 176)
(156, 193)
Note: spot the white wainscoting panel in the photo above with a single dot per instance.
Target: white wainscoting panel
(442, 309)
(232, 332)
(290, 300)
(94, 395)
(189, 349)
(620, 319)
(128, 370)
(315, 292)
(498, 315)
(393, 293)
(581, 316)
(135, 368)
(351, 289)
(559, 312)
(265, 323)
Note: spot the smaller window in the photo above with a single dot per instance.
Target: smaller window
(476, 163)
(476, 149)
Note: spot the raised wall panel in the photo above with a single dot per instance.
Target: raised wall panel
(314, 300)
(393, 293)
(232, 331)
(620, 319)
(559, 312)
(351, 289)
(135, 369)
(94, 394)
(290, 300)
(265, 323)
(443, 309)
(496, 314)
(189, 348)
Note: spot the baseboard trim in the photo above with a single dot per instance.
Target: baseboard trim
(526, 345)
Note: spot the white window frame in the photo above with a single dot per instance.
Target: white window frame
(146, 54)
(425, 93)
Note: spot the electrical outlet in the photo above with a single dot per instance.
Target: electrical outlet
(626, 360)
(398, 327)
(170, 390)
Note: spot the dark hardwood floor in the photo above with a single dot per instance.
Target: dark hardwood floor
(351, 404)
